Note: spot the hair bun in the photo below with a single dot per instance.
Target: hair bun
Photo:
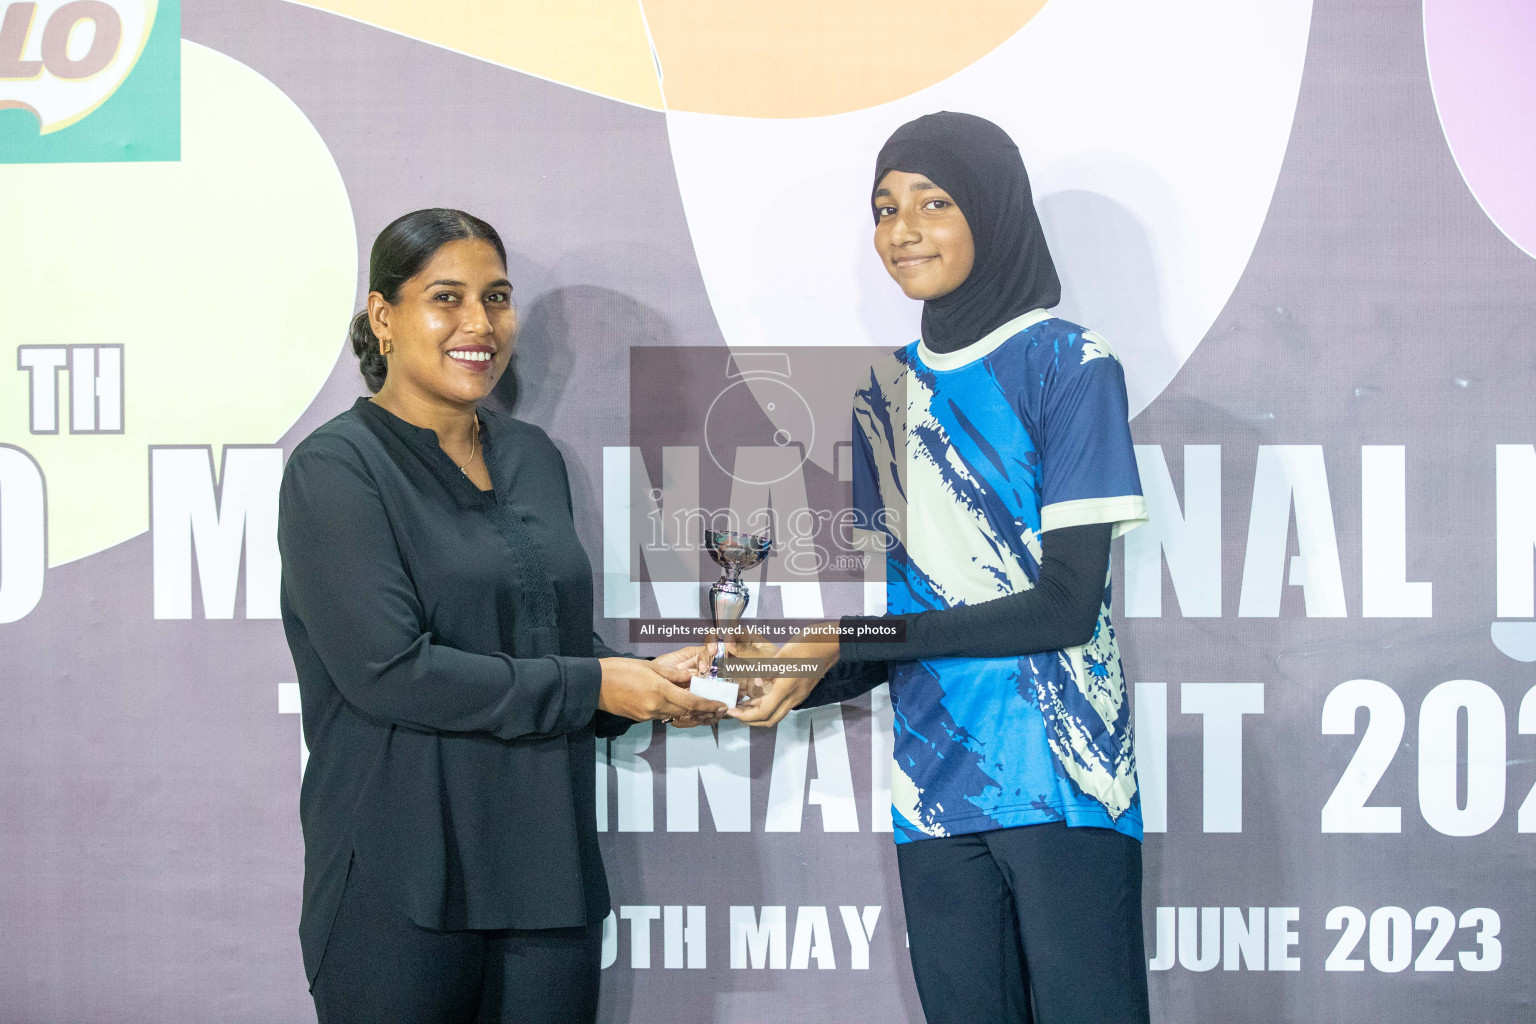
(365, 345)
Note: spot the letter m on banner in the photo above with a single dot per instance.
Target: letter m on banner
(191, 519)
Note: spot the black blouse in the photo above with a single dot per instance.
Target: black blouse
(449, 677)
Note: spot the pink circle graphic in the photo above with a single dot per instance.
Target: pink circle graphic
(1482, 69)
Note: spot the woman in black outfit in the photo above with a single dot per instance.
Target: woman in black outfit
(438, 605)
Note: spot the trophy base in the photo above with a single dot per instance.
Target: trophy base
(726, 691)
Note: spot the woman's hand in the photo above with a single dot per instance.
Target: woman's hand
(696, 661)
(647, 690)
(693, 659)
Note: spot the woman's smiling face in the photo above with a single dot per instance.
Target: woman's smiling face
(921, 236)
(449, 336)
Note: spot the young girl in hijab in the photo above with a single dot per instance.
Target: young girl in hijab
(994, 459)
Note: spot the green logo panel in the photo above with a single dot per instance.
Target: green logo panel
(90, 83)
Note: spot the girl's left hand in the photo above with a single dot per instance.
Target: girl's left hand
(786, 693)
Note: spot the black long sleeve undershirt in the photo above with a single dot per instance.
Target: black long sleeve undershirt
(1061, 610)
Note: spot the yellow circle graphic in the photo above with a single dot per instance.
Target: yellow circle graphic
(213, 293)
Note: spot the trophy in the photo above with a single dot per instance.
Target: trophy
(728, 598)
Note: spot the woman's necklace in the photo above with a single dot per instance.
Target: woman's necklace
(474, 443)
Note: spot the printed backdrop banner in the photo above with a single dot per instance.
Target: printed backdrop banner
(1308, 231)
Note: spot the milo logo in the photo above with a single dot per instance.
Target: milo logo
(90, 81)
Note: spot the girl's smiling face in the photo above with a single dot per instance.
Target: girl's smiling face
(921, 236)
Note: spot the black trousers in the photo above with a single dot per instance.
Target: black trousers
(380, 967)
(1037, 924)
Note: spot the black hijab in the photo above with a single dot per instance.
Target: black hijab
(979, 166)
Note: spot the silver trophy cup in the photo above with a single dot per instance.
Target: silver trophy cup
(728, 599)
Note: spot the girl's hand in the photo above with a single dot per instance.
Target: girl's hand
(746, 643)
(785, 693)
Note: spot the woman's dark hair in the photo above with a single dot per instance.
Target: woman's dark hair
(398, 255)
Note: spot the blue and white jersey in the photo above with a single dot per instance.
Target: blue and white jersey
(963, 464)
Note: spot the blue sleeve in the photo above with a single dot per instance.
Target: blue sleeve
(1087, 460)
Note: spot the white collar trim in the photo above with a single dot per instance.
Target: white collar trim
(980, 349)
